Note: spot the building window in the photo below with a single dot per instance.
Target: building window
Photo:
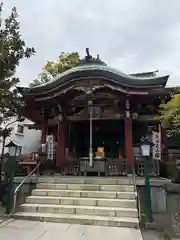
(20, 129)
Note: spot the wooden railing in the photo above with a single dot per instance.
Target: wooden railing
(110, 166)
(70, 168)
(106, 166)
(116, 167)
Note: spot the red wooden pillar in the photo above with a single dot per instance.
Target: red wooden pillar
(128, 137)
(43, 129)
(43, 133)
(61, 144)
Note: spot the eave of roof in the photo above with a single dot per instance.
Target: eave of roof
(144, 74)
(97, 71)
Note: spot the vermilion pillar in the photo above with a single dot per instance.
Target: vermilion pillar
(61, 144)
(43, 128)
(128, 137)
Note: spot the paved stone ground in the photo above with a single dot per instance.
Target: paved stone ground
(30, 230)
(20, 230)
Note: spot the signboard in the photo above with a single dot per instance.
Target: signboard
(156, 151)
(50, 147)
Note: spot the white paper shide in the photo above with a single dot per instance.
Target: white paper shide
(156, 139)
(50, 147)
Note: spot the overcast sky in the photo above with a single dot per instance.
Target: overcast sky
(130, 35)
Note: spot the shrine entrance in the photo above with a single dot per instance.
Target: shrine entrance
(106, 134)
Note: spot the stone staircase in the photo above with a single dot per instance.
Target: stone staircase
(78, 200)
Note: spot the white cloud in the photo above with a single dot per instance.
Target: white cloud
(130, 35)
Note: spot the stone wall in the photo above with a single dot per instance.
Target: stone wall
(165, 206)
(173, 207)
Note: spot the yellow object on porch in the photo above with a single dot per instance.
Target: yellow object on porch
(100, 152)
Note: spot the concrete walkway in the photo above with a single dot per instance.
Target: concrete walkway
(30, 230)
(20, 230)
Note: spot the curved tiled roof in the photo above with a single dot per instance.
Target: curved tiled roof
(94, 71)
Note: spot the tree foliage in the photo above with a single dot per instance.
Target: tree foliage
(41, 78)
(169, 112)
(12, 50)
(64, 62)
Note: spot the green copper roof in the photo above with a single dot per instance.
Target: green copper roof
(94, 72)
(98, 70)
(93, 69)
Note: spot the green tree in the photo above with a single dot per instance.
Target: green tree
(169, 112)
(52, 69)
(41, 78)
(12, 50)
(169, 115)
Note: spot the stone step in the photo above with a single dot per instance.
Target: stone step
(87, 187)
(79, 193)
(79, 219)
(81, 210)
(82, 200)
(102, 202)
(87, 180)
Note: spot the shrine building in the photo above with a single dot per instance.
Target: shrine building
(92, 119)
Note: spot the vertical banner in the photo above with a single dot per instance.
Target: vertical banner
(50, 147)
(156, 139)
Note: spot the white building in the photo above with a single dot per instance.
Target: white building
(29, 139)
